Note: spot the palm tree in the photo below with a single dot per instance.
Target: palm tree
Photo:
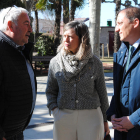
(28, 5)
(52, 5)
(56, 5)
(75, 4)
(36, 17)
(116, 35)
(72, 11)
(65, 11)
(57, 24)
(37, 23)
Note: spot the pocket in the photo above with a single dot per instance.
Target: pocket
(89, 86)
(60, 115)
(55, 111)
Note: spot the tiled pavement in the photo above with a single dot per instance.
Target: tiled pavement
(41, 125)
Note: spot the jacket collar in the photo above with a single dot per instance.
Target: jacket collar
(5, 38)
(135, 57)
(134, 60)
(126, 44)
(120, 55)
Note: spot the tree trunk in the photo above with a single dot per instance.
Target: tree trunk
(23, 1)
(29, 5)
(65, 11)
(36, 20)
(72, 10)
(116, 34)
(57, 25)
(94, 25)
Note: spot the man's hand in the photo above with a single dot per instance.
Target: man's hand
(112, 117)
(124, 122)
(116, 124)
(54, 108)
(3, 138)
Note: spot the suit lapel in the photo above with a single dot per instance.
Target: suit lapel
(135, 57)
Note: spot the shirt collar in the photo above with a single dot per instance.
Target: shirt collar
(136, 44)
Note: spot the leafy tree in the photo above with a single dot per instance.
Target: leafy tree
(44, 45)
(52, 5)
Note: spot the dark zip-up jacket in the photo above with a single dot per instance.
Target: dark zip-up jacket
(15, 90)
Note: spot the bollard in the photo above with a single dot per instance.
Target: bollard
(102, 51)
(108, 50)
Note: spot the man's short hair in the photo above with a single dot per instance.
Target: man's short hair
(132, 13)
(10, 14)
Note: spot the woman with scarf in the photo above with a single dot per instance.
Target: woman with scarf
(76, 90)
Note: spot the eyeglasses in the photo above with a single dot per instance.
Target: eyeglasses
(8, 12)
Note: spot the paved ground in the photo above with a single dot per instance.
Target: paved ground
(41, 125)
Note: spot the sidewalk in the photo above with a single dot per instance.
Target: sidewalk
(41, 124)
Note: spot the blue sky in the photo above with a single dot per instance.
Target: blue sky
(107, 12)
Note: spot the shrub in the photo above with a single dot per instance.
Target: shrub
(44, 45)
(31, 37)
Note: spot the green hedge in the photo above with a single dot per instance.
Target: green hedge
(31, 38)
(44, 45)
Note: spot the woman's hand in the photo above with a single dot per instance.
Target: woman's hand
(107, 131)
(54, 108)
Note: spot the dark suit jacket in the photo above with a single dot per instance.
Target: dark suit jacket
(130, 84)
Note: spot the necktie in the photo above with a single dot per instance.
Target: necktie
(131, 49)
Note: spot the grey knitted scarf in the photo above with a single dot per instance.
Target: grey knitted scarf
(70, 65)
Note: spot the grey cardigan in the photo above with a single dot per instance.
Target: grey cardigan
(87, 90)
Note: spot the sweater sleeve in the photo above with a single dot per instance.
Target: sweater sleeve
(52, 88)
(101, 89)
(2, 133)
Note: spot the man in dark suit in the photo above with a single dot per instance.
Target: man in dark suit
(17, 79)
(124, 110)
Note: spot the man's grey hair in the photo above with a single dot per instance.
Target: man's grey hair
(10, 14)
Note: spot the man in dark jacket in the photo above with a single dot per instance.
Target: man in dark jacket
(124, 110)
(17, 79)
